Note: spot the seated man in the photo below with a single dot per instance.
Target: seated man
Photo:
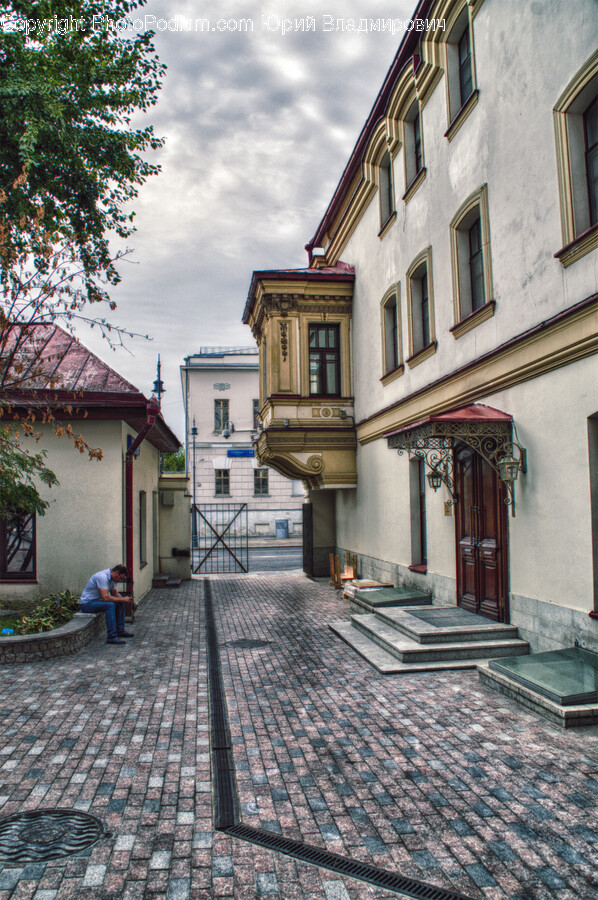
(100, 595)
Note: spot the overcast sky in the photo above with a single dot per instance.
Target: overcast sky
(258, 128)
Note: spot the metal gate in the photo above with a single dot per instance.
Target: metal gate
(219, 541)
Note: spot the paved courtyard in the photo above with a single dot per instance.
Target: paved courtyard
(430, 775)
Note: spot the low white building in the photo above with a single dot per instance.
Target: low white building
(103, 511)
(220, 394)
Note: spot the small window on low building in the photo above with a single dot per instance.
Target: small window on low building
(260, 482)
(17, 548)
(222, 487)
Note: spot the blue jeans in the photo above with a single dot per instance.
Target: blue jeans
(115, 614)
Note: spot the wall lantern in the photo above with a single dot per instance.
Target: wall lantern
(434, 479)
(227, 430)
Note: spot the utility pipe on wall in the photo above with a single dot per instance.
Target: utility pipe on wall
(152, 411)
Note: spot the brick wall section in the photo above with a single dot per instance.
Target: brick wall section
(69, 638)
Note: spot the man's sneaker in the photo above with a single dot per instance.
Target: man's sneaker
(126, 634)
(115, 640)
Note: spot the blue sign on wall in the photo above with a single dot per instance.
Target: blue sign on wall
(240, 452)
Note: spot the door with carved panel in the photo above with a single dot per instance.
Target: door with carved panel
(481, 537)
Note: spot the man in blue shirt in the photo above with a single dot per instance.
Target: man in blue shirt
(100, 595)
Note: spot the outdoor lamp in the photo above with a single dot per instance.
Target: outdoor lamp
(508, 468)
(434, 479)
(227, 430)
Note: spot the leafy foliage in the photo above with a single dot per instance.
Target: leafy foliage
(54, 611)
(70, 158)
(71, 80)
(173, 462)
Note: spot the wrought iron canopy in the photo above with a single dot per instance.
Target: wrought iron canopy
(486, 430)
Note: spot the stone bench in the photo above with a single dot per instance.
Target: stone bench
(76, 634)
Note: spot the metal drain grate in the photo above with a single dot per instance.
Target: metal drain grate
(248, 644)
(45, 834)
(391, 881)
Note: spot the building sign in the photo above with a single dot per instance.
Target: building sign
(240, 452)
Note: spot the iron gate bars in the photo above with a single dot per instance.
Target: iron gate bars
(221, 543)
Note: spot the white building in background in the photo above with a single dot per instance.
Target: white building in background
(220, 395)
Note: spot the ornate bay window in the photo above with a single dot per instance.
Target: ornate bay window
(301, 320)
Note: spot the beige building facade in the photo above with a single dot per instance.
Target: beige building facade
(463, 238)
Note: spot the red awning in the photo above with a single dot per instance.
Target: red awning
(475, 412)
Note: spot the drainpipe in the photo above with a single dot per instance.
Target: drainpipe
(152, 411)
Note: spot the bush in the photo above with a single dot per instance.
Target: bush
(54, 611)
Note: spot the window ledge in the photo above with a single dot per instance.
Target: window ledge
(473, 319)
(421, 355)
(414, 184)
(387, 225)
(423, 570)
(462, 115)
(394, 373)
(583, 244)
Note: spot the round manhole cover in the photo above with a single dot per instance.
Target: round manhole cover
(44, 834)
(248, 644)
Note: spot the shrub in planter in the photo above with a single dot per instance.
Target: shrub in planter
(54, 611)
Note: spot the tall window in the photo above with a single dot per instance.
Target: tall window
(590, 122)
(324, 360)
(576, 131)
(414, 149)
(256, 414)
(420, 308)
(260, 482)
(222, 482)
(419, 542)
(465, 67)
(476, 265)
(17, 548)
(391, 336)
(142, 528)
(220, 414)
(387, 200)
(472, 267)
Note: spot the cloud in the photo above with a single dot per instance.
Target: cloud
(259, 127)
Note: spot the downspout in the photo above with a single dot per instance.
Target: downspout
(152, 411)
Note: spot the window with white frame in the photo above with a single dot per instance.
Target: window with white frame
(391, 339)
(386, 188)
(413, 147)
(420, 306)
(260, 482)
(222, 482)
(460, 65)
(576, 131)
(471, 262)
(220, 414)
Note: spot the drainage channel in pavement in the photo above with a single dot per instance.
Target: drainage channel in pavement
(226, 802)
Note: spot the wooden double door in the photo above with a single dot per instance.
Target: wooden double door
(481, 537)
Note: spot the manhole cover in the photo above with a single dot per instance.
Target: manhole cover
(44, 834)
(248, 644)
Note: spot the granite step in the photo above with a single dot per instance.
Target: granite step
(388, 664)
(432, 625)
(406, 649)
(368, 601)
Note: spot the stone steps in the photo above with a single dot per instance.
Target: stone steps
(421, 639)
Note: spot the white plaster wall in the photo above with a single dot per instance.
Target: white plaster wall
(146, 471)
(550, 536)
(174, 526)
(81, 531)
(526, 54)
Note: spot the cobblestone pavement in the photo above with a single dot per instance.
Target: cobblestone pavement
(429, 775)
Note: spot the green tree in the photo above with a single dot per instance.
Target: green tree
(173, 462)
(73, 74)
